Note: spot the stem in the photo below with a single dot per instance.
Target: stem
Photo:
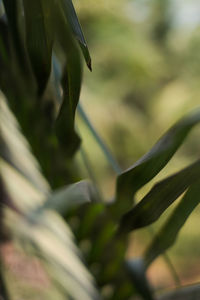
(99, 141)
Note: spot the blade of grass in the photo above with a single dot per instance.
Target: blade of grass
(113, 163)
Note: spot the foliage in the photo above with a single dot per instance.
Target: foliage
(41, 76)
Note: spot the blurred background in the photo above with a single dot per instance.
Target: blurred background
(146, 75)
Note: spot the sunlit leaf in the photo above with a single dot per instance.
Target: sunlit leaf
(43, 234)
(159, 198)
(147, 167)
(166, 237)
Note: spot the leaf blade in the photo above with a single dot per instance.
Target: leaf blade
(159, 198)
(147, 167)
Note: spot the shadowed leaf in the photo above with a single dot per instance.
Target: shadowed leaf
(39, 39)
(159, 198)
(166, 237)
(147, 167)
(76, 28)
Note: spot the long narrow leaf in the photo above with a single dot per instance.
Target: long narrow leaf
(159, 198)
(169, 232)
(76, 28)
(147, 167)
(71, 80)
(39, 39)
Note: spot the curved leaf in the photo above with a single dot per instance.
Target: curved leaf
(159, 198)
(39, 39)
(169, 232)
(147, 167)
(76, 28)
(71, 81)
(71, 196)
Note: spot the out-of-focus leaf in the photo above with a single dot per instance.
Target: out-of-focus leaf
(76, 28)
(191, 292)
(71, 196)
(12, 15)
(159, 198)
(44, 234)
(15, 150)
(39, 39)
(136, 269)
(147, 167)
(71, 82)
(169, 232)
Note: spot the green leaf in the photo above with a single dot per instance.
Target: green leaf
(12, 11)
(76, 28)
(159, 198)
(71, 196)
(43, 234)
(166, 237)
(71, 81)
(15, 150)
(39, 39)
(147, 167)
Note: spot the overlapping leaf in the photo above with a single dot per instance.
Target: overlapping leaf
(131, 180)
(159, 198)
(39, 39)
(169, 232)
(44, 234)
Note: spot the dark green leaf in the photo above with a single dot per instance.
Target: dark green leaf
(39, 39)
(159, 198)
(147, 167)
(12, 13)
(169, 232)
(76, 28)
(71, 83)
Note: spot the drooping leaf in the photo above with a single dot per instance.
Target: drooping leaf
(71, 196)
(147, 167)
(169, 232)
(72, 18)
(159, 198)
(39, 39)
